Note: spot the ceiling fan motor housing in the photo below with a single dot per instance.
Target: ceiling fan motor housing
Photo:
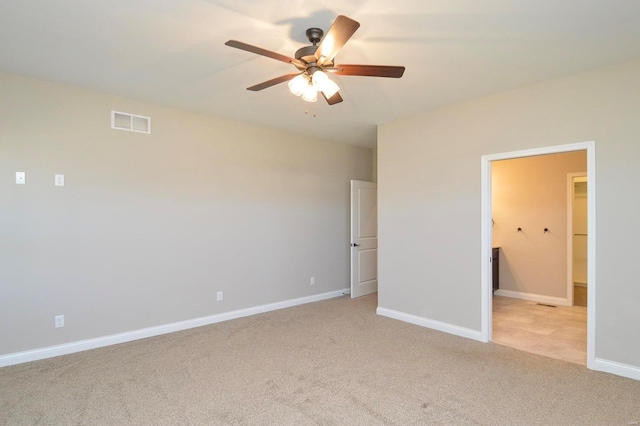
(307, 53)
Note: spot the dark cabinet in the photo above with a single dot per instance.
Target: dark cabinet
(495, 268)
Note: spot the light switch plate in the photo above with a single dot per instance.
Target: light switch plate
(59, 180)
(21, 178)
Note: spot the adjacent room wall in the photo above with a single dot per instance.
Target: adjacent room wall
(531, 193)
(148, 228)
(430, 197)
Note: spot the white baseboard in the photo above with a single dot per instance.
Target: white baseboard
(114, 339)
(619, 369)
(429, 323)
(533, 297)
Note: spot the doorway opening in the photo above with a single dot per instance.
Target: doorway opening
(487, 239)
(577, 234)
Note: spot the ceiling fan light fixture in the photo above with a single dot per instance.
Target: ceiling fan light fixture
(310, 94)
(324, 84)
(298, 84)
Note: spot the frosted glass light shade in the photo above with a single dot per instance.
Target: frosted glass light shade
(330, 88)
(323, 84)
(310, 94)
(298, 84)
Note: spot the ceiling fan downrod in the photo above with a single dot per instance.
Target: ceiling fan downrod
(307, 53)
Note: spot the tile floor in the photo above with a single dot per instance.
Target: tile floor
(559, 332)
(579, 295)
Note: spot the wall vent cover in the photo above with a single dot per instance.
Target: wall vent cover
(130, 122)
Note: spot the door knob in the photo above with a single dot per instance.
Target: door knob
(355, 245)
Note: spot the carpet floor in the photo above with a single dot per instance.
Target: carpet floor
(327, 363)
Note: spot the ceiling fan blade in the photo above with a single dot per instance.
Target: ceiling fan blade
(260, 51)
(368, 70)
(335, 99)
(272, 82)
(339, 33)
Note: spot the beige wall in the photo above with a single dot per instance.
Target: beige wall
(430, 197)
(531, 193)
(375, 165)
(149, 227)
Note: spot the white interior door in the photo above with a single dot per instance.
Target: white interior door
(364, 238)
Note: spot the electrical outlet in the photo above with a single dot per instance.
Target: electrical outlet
(21, 178)
(59, 180)
(59, 320)
(219, 296)
(313, 280)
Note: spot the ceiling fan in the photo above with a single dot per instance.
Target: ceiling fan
(313, 63)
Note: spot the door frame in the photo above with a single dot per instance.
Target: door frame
(570, 195)
(486, 293)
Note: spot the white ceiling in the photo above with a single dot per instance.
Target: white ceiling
(172, 52)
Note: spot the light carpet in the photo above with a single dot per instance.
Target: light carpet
(328, 363)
